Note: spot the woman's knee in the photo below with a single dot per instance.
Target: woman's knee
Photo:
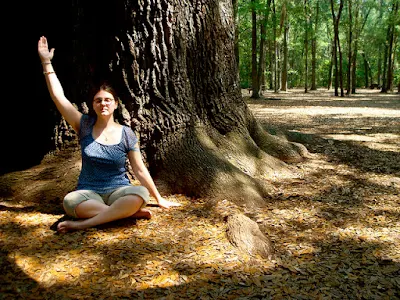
(140, 192)
(74, 199)
(89, 208)
(134, 200)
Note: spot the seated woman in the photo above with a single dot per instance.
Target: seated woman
(104, 192)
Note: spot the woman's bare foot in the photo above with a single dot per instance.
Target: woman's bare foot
(69, 226)
(142, 214)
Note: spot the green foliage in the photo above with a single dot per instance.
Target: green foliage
(369, 25)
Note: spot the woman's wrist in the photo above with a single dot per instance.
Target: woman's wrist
(159, 198)
(46, 62)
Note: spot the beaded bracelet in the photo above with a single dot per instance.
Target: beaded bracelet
(46, 73)
(46, 63)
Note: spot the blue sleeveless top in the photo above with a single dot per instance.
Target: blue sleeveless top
(103, 166)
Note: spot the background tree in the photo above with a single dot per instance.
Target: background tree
(350, 48)
(263, 37)
(274, 49)
(285, 25)
(306, 30)
(236, 15)
(314, 48)
(254, 74)
(387, 84)
(337, 49)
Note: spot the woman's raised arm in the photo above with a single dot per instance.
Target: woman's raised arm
(64, 106)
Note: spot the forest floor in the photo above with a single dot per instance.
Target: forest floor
(335, 229)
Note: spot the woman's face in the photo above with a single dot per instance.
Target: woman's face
(104, 104)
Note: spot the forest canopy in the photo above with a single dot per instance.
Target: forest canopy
(286, 44)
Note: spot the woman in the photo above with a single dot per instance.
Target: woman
(104, 192)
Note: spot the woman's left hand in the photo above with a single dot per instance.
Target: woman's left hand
(167, 204)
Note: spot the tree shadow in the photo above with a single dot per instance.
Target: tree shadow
(15, 284)
(325, 99)
(351, 153)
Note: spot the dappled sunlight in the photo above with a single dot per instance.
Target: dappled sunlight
(337, 112)
(333, 223)
(49, 268)
(29, 220)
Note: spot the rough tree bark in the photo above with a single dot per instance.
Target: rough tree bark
(173, 63)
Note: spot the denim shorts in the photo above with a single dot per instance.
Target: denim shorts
(73, 199)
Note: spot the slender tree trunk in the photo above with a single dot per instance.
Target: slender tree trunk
(306, 25)
(263, 37)
(379, 76)
(366, 84)
(350, 42)
(254, 77)
(336, 73)
(330, 69)
(355, 54)
(279, 65)
(332, 61)
(385, 62)
(338, 65)
(314, 50)
(380, 47)
(236, 18)
(285, 56)
(276, 84)
(271, 64)
(390, 48)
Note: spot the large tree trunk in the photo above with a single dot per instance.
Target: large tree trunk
(174, 64)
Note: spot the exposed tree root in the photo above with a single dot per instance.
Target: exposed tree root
(278, 146)
(245, 234)
(208, 164)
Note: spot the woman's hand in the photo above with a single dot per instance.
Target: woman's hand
(43, 50)
(167, 204)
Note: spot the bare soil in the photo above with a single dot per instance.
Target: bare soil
(335, 227)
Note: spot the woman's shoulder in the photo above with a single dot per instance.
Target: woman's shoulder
(128, 130)
(87, 122)
(129, 135)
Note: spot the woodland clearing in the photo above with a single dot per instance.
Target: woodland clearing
(335, 227)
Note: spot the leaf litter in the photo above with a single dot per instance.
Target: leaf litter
(335, 228)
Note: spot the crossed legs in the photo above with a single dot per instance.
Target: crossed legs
(93, 213)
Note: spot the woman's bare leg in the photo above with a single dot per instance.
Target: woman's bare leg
(122, 208)
(90, 208)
